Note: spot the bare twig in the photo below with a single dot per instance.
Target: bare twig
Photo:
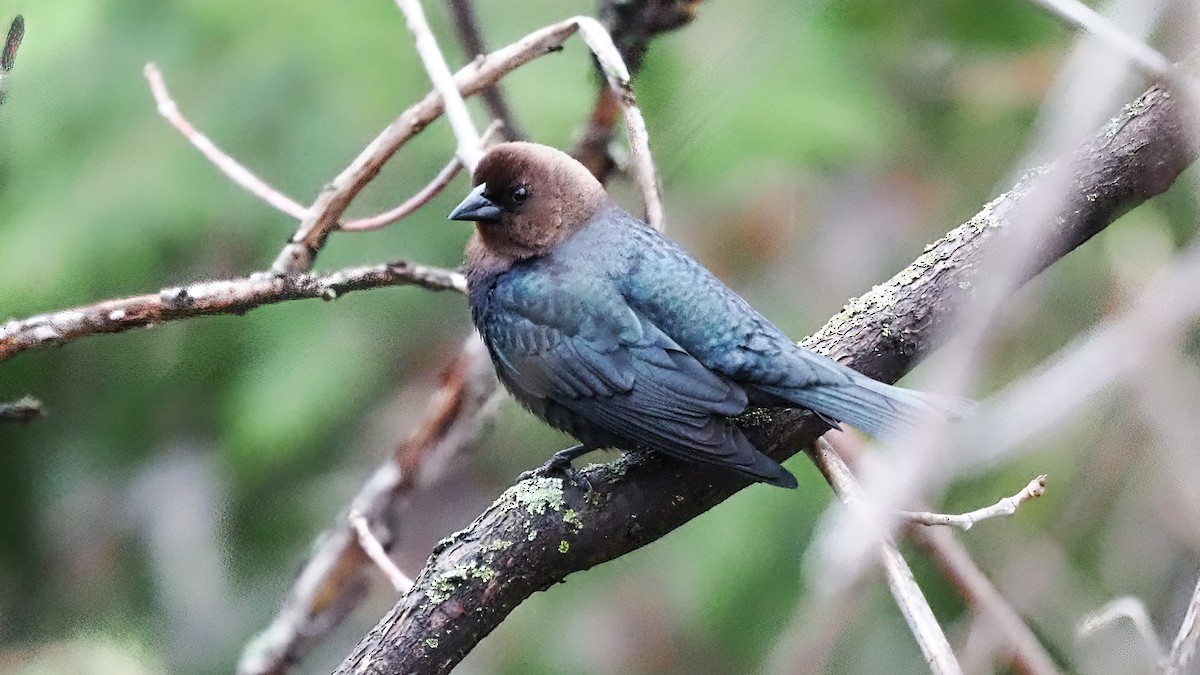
(409, 207)
(333, 200)
(619, 79)
(21, 410)
(256, 186)
(229, 296)
(1184, 646)
(469, 142)
(613, 66)
(8, 57)
(1127, 607)
(334, 579)
(1159, 317)
(439, 183)
(374, 550)
(1015, 638)
(1079, 15)
(908, 595)
(322, 218)
(12, 42)
(1165, 385)
(466, 27)
(1004, 507)
(922, 467)
(226, 164)
(632, 25)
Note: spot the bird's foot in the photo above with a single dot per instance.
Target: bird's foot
(560, 464)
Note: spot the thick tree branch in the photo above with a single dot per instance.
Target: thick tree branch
(540, 531)
(228, 296)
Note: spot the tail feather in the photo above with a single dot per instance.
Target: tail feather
(879, 409)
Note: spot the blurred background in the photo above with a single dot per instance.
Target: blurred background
(155, 519)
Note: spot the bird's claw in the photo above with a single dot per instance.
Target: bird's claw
(562, 467)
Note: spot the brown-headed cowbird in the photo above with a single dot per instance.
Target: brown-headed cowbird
(609, 331)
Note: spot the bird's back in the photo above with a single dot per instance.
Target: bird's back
(662, 282)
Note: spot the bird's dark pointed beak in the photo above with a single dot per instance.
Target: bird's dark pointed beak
(476, 207)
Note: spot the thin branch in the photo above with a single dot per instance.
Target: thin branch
(21, 410)
(8, 57)
(323, 216)
(611, 63)
(619, 79)
(256, 186)
(1005, 507)
(374, 550)
(409, 207)
(226, 164)
(593, 146)
(1183, 649)
(513, 549)
(1127, 607)
(333, 200)
(1080, 16)
(632, 26)
(909, 598)
(1160, 316)
(1017, 640)
(469, 142)
(228, 296)
(334, 580)
(1165, 387)
(12, 42)
(466, 27)
(1019, 644)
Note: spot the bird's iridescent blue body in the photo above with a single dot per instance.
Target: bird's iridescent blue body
(621, 339)
(612, 333)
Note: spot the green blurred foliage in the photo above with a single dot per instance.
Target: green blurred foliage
(768, 120)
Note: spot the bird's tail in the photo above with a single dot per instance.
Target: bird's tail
(879, 409)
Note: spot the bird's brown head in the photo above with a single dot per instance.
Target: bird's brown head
(528, 199)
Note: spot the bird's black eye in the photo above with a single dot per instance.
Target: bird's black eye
(518, 195)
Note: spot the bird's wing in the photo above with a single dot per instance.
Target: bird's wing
(624, 375)
(707, 319)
